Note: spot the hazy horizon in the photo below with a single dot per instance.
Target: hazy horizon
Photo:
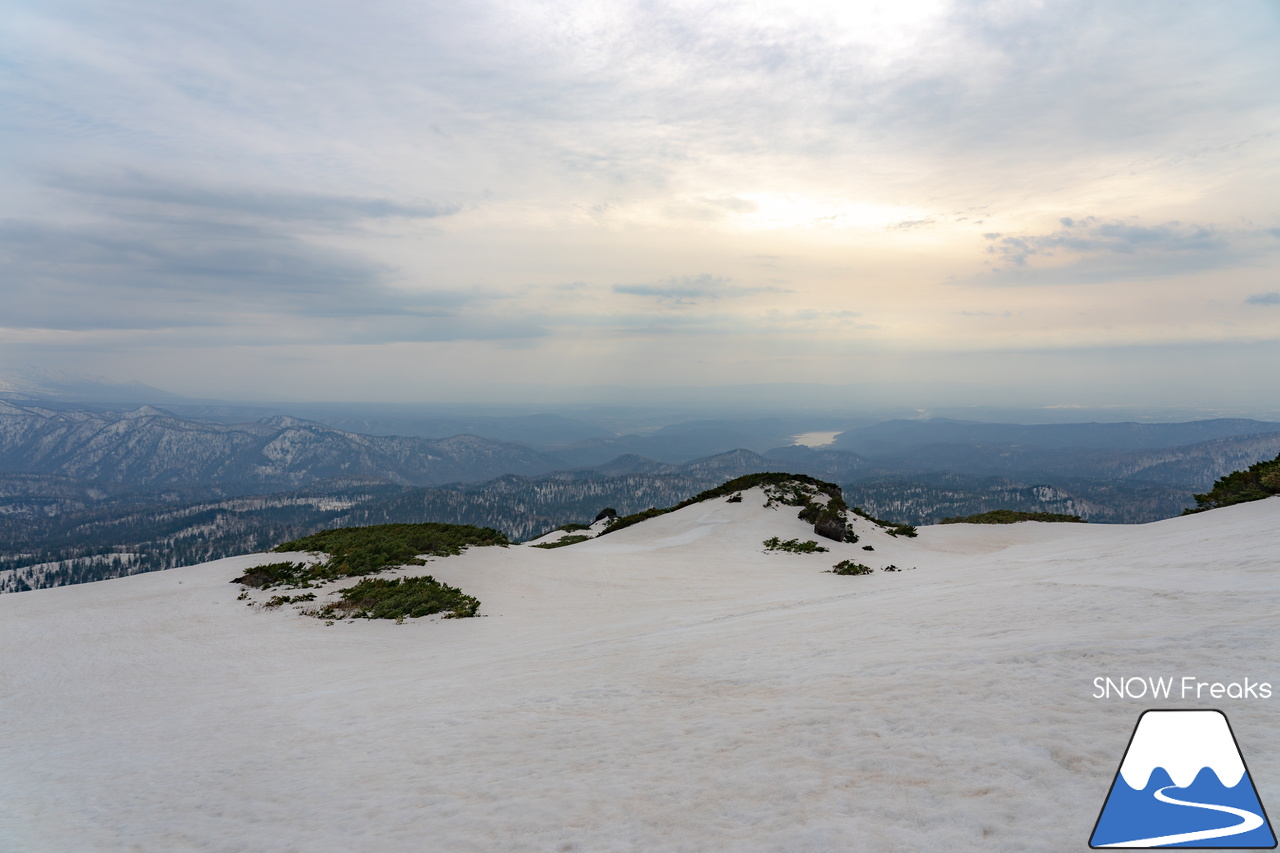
(631, 409)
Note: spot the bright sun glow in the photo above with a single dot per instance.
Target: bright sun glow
(781, 212)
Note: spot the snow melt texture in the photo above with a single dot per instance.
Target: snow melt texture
(669, 687)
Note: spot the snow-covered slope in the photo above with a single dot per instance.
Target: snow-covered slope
(589, 531)
(668, 687)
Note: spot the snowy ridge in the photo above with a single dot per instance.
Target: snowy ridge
(592, 530)
(1183, 743)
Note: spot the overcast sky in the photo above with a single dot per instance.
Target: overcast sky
(423, 201)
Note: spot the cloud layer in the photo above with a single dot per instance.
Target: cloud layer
(518, 189)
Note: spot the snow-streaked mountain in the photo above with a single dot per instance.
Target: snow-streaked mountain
(148, 447)
(668, 687)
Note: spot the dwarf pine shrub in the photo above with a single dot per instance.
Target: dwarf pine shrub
(399, 598)
(793, 546)
(1012, 516)
(563, 541)
(1260, 480)
(357, 551)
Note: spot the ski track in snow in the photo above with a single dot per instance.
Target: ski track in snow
(633, 695)
(1248, 822)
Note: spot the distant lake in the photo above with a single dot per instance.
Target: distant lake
(815, 439)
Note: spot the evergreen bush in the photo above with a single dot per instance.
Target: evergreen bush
(1012, 516)
(399, 598)
(1260, 480)
(563, 541)
(794, 546)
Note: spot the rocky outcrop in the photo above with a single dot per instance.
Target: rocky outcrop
(832, 526)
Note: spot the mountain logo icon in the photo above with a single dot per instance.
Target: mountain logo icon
(1183, 783)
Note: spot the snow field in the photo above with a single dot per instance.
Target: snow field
(668, 687)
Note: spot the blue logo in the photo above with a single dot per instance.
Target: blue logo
(1183, 783)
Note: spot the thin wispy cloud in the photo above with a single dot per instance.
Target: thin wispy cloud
(176, 198)
(1094, 236)
(690, 289)
(1091, 249)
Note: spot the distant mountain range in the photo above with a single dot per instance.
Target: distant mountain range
(66, 535)
(149, 448)
(94, 493)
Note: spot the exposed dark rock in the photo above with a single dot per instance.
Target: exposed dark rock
(831, 526)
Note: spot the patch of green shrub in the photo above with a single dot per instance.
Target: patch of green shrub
(793, 493)
(400, 598)
(1260, 480)
(810, 512)
(828, 518)
(1012, 516)
(356, 551)
(890, 527)
(276, 574)
(278, 600)
(637, 517)
(567, 528)
(560, 543)
(794, 546)
(849, 567)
